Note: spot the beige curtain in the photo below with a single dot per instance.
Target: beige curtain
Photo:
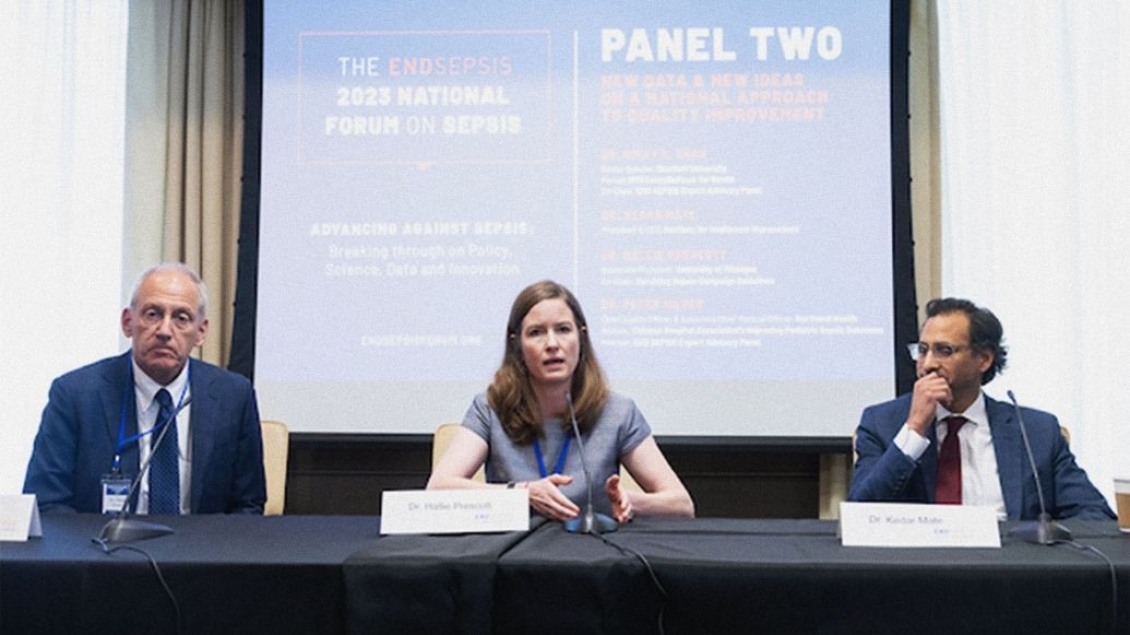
(185, 147)
(925, 150)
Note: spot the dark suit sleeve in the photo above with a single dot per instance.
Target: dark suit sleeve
(883, 472)
(249, 486)
(50, 472)
(1073, 494)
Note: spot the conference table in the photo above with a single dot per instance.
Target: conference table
(335, 574)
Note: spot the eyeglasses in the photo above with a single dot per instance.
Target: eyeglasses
(181, 320)
(918, 350)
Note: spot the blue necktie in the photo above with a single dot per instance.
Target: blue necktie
(164, 468)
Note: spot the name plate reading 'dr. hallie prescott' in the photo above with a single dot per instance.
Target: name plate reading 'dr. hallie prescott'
(912, 525)
(455, 511)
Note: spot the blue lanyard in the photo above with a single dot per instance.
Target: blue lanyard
(560, 458)
(124, 441)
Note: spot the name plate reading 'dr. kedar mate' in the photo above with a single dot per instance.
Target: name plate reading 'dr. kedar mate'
(913, 525)
(455, 511)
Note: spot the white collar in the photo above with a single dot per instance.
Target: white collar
(147, 387)
(975, 413)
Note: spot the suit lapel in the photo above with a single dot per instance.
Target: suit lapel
(200, 419)
(116, 393)
(928, 462)
(1007, 444)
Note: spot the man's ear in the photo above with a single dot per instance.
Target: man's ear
(201, 332)
(986, 360)
(127, 323)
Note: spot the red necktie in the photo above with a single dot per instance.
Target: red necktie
(948, 489)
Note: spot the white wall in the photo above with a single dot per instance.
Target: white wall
(1034, 140)
(62, 66)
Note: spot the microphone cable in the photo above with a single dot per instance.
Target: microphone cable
(663, 597)
(108, 550)
(588, 524)
(1113, 579)
(1049, 532)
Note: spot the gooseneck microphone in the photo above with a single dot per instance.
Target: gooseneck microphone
(588, 522)
(1043, 531)
(122, 528)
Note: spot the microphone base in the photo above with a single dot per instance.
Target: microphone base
(594, 524)
(1041, 532)
(131, 529)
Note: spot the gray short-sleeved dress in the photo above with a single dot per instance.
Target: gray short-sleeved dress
(620, 429)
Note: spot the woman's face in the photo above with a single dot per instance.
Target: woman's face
(551, 343)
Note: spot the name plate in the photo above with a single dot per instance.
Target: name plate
(912, 525)
(455, 511)
(19, 518)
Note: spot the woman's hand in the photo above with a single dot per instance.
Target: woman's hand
(547, 499)
(620, 498)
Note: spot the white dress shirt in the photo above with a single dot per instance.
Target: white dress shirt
(980, 478)
(145, 388)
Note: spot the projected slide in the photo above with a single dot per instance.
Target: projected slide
(713, 181)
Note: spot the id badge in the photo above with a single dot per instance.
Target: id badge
(115, 491)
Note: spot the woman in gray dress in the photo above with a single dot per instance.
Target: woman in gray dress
(521, 427)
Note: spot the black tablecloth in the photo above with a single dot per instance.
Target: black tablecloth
(758, 576)
(229, 574)
(305, 574)
(426, 584)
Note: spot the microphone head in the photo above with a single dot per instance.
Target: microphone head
(1012, 397)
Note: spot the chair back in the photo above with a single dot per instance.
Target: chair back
(442, 440)
(276, 447)
(626, 481)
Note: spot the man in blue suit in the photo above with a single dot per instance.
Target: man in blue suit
(959, 349)
(96, 428)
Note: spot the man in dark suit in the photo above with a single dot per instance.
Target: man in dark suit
(101, 420)
(901, 443)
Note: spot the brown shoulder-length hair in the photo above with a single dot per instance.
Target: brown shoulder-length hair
(512, 395)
